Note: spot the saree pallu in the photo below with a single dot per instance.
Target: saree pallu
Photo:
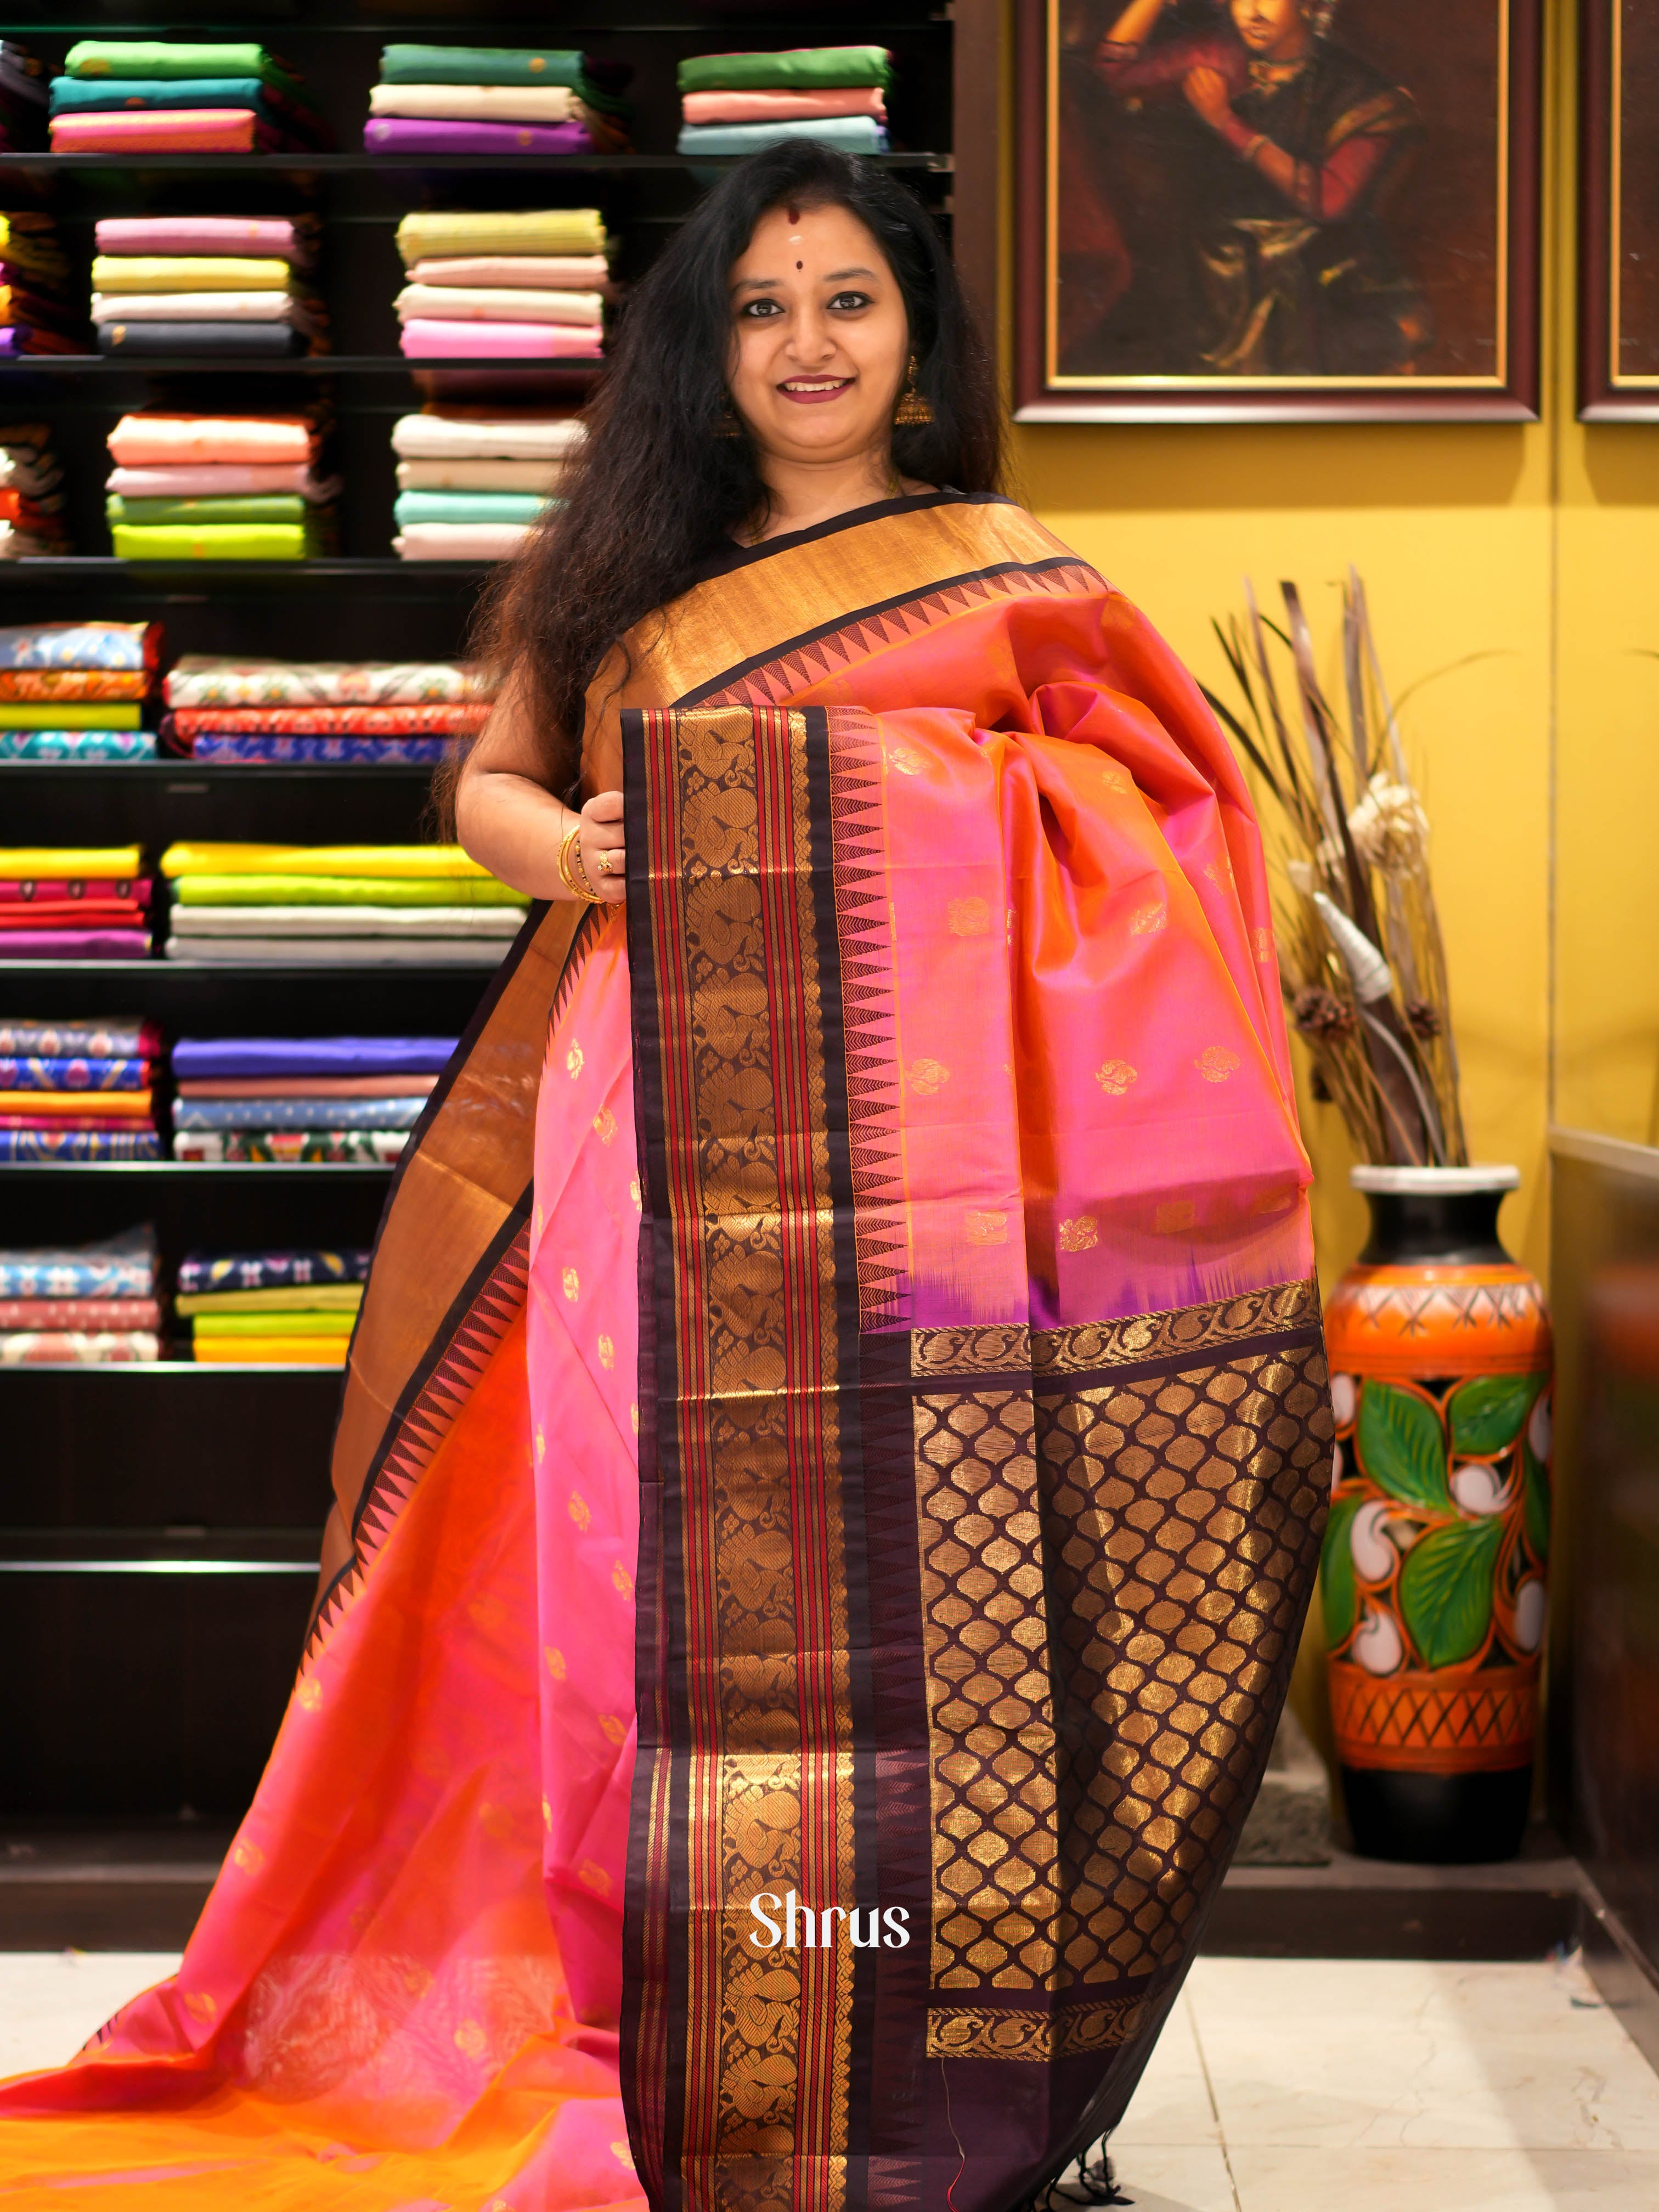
(834, 1447)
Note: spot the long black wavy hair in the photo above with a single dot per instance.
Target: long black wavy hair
(655, 491)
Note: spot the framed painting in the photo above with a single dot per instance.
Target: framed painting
(1239, 210)
(1618, 214)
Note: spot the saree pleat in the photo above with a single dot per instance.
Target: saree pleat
(837, 1417)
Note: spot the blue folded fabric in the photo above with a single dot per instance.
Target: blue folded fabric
(298, 1112)
(78, 1145)
(117, 1267)
(849, 133)
(77, 95)
(195, 1057)
(72, 1072)
(202, 1272)
(468, 507)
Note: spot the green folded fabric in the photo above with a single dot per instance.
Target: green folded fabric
(213, 541)
(163, 58)
(112, 716)
(283, 1323)
(467, 507)
(805, 69)
(344, 890)
(480, 66)
(258, 506)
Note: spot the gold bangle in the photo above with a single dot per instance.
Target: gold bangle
(570, 865)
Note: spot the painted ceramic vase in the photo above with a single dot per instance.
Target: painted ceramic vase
(1434, 1561)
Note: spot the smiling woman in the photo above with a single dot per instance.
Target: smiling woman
(837, 1425)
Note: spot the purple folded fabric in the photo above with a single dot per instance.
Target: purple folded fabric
(194, 1057)
(74, 944)
(402, 134)
(426, 339)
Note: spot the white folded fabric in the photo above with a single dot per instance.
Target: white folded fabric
(202, 307)
(480, 476)
(478, 103)
(459, 541)
(558, 272)
(283, 921)
(465, 437)
(342, 951)
(499, 304)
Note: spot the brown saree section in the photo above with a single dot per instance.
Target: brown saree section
(451, 1257)
(987, 1624)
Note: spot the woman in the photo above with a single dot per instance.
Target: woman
(1292, 148)
(836, 1434)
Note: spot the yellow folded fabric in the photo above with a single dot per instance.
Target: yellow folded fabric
(537, 230)
(269, 1350)
(32, 863)
(207, 1328)
(301, 1298)
(187, 272)
(205, 859)
(100, 1105)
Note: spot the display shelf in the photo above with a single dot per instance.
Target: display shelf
(158, 1551)
(539, 165)
(238, 1368)
(102, 571)
(575, 378)
(12, 1171)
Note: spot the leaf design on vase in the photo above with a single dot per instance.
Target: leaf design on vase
(1535, 1503)
(1337, 1585)
(1488, 1412)
(1446, 1590)
(1402, 1446)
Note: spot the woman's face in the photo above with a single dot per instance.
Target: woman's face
(820, 342)
(1276, 30)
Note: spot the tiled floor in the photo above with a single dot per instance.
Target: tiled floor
(1302, 2086)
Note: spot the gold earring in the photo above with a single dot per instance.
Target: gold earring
(728, 425)
(913, 409)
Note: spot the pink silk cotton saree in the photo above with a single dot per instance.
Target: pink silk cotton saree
(831, 1471)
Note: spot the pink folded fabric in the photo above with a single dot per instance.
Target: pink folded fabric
(783, 107)
(400, 134)
(159, 440)
(74, 944)
(549, 272)
(222, 480)
(166, 131)
(456, 341)
(256, 236)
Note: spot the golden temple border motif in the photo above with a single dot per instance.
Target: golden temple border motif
(1186, 1332)
(1037, 2036)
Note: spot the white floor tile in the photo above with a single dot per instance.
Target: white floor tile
(1172, 2106)
(1375, 2054)
(1164, 2179)
(1277, 2180)
(52, 2001)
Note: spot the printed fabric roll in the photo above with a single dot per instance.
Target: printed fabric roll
(417, 65)
(96, 1040)
(810, 69)
(115, 1267)
(77, 1072)
(393, 134)
(494, 507)
(38, 1348)
(271, 341)
(169, 440)
(204, 236)
(77, 683)
(459, 717)
(848, 134)
(202, 1273)
(320, 752)
(227, 541)
(209, 680)
(179, 131)
(542, 230)
(96, 1315)
(424, 340)
(783, 107)
(195, 1059)
(460, 437)
(89, 745)
(500, 303)
(126, 647)
(458, 541)
(367, 1147)
(296, 1112)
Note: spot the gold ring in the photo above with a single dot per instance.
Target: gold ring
(605, 864)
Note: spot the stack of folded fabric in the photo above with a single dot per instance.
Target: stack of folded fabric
(36, 315)
(494, 100)
(737, 103)
(207, 284)
(22, 100)
(301, 1098)
(151, 96)
(529, 286)
(32, 517)
(78, 1090)
(272, 1308)
(71, 903)
(84, 1303)
(75, 690)
(344, 905)
(471, 481)
(218, 487)
(384, 713)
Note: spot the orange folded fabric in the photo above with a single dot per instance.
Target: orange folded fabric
(164, 441)
(74, 1105)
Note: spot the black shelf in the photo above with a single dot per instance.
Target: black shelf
(290, 1171)
(577, 377)
(365, 164)
(102, 569)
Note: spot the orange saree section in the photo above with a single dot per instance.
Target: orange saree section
(362, 2018)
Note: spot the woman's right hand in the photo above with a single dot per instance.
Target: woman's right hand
(603, 858)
